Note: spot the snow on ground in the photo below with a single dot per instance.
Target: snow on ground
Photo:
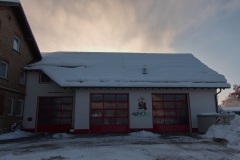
(141, 145)
(62, 135)
(15, 135)
(229, 132)
(134, 146)
(143, 134)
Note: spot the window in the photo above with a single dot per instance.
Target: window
(19, 109)
(16, 44)
(3, 69)
(22, 78)
(44, 78)
(10, 106)
(2, 98)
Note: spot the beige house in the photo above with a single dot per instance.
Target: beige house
(17, 49)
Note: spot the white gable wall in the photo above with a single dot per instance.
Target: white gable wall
(141, 121)
(82, 110)
(200, 100)
(83, 103)
(35, 90)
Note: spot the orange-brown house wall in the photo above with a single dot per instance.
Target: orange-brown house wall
(9, 28)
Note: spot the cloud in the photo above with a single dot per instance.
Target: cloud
(117, 25)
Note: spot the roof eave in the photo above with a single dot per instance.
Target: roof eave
(8, 3)
(142, 87)
(164, 87)
(25, 27)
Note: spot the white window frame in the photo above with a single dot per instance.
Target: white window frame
(10, 106)
(16, 44)
(6, 70)
(22, 79)
(17, 108)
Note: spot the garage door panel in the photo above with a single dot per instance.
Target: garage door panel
(122, 105)
(109, 128)
(170, 113)
(171, 128)
(54, 128)
(54, 114)
(109, 113)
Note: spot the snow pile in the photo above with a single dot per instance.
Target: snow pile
(229, 132)
(15, 135)
(143, 134)
(62, 135)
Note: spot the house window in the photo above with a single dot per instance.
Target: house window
(22, 78)
(2, 98)
(3, 69)
(170, 108)
(10, 106)
(109, 109)
(16, 44)
(19, 109)
(44, 78)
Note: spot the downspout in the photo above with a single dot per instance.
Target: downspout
(216, 99)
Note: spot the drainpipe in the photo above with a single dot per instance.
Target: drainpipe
(216, 99)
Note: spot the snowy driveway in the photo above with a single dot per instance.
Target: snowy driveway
(135, 146)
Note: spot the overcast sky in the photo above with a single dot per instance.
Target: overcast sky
(209, 29)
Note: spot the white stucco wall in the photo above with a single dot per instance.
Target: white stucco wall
(81, 110)
(200, 100)
(35, 90)
(83, 102)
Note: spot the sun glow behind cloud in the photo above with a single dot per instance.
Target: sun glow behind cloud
(116, 25)
(162, 26)
(99, 26)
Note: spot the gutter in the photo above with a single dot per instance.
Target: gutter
(216, 99)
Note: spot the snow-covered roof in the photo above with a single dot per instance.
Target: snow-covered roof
(99, 69)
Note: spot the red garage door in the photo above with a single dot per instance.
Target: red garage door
(170, 113)
(109, 113)
(54, 114)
